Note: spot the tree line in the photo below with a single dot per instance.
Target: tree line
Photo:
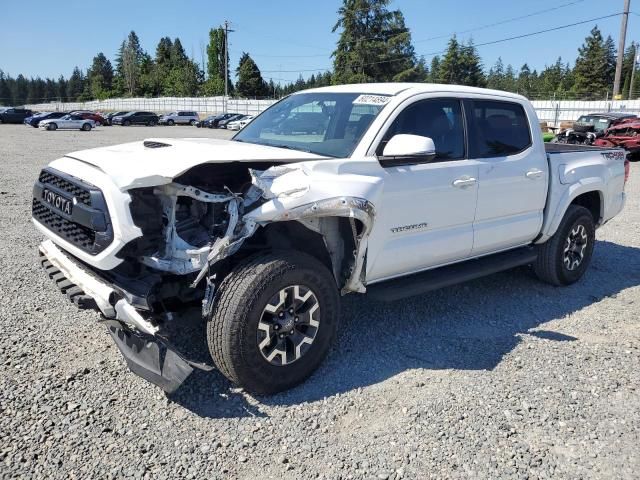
(374, 46)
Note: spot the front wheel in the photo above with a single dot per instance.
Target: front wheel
(170, 123)
(52, 126)
(126, 123)
(274, 318)
(565, 257)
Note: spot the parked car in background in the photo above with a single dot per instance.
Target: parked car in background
(223, 117)
(149, 119)
(14, 115)
(68, 122)
(239, 124)
(109, 116)
(232, 118)
(34, 120)
(96, 117)
(589, 127)
(180, 118)
(207, 122)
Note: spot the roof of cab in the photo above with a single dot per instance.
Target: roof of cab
(412, 88)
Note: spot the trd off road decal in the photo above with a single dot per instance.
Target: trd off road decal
(617, 155)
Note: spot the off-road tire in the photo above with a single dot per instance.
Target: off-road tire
(232, 326)
(549, 266)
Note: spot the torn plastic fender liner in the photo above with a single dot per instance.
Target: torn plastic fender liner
(349, 207)
(152, 357)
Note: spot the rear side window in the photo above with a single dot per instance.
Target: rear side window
(497, 129)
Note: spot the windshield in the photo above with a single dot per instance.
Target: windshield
(328, 124)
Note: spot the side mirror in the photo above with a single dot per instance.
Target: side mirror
(405, 149)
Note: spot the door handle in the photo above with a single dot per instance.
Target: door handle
(464, 182)
(534, 174)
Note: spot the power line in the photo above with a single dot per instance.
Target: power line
(492, 42)
(386, 36)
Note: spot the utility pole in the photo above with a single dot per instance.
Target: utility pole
(633, 69)
(226, 62)
(623, 35)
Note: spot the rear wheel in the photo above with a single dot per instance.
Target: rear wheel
(273, 321)
(193, 122)
(565, 257)
(86, 127)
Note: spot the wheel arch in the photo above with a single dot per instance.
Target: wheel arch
(588, 193)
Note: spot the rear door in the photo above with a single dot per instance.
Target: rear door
(513, 174)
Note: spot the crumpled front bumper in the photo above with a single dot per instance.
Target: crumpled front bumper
(147, 353)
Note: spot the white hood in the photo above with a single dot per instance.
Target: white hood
(132, 165)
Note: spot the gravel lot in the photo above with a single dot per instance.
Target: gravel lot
(503, 377)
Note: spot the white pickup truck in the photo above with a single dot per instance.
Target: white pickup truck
(389, 189)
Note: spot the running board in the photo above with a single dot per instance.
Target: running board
(424, 282)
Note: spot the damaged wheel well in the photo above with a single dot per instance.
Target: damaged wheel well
(330, 240)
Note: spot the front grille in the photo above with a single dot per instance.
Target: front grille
(87, 225)
(81, 194)
(80, 236)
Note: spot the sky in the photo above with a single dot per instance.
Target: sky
(290, 37)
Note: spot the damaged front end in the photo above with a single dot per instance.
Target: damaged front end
(195, 229)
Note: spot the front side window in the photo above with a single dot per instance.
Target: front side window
(328, 124)
(497, 129)
(439, 119)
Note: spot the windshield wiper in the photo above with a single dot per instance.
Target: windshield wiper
(288, 147)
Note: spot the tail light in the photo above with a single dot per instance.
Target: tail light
(627, 169)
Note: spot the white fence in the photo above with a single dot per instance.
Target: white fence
(550, 111)
(554, 112)
(206, 105)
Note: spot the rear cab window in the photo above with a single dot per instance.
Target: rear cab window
(497, 128)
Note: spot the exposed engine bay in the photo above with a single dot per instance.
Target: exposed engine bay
(192, 226)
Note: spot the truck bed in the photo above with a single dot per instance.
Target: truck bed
(567, 148)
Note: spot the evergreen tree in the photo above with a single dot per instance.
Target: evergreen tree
(471, 66)
(131, 58)
(20, 90)
(435, 69)
(100, 77)
(374, 44)
(628, 63)
(250, 83)
(61, 89)
(525, 83)
(35, 90)
(592, 71)
(450, 67)
(50, 90)
(5, 91)
(75, 85)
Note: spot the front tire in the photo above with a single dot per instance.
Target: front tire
(126, 123)
(171, 123)
(273, 321)
(52, 126)
(565, 257)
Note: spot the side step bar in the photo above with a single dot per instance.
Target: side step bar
(429, 280)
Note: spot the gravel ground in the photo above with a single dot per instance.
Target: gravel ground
(499, 378)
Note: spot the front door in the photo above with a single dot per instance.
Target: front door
(425, 217)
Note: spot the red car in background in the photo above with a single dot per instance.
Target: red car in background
(89, 115)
